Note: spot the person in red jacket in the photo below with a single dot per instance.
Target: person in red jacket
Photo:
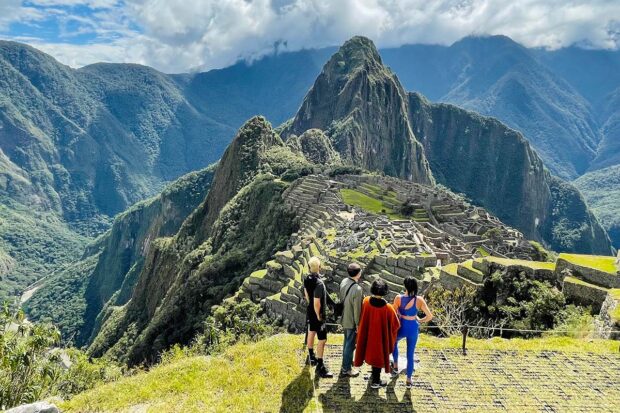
(376, 333)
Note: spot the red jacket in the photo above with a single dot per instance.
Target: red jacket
(376, 335)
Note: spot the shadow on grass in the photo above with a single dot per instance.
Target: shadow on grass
(298, 393)
(339, 399)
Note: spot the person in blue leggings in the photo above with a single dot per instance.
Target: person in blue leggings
(407, 306)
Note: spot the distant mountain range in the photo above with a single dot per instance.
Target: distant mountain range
(79, 146)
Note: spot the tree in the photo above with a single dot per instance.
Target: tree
(27, 368)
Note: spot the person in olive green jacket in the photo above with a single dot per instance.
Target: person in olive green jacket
(351, 295)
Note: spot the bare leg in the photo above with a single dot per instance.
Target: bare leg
(310, 341)
(320, 349)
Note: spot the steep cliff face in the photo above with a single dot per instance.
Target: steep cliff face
(495, 76)
(362, 107)
(601, 188)
(239, 225)
(107, 273)
(496, 167)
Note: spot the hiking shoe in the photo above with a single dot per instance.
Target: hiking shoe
(409, 385)
(311, 361)
(350, 373)
(378, 385)
(323, 372)
(394, 373)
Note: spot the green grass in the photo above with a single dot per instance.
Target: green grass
(259, 273)
(574, 280)
(535, 265)
(367, 203)
(451, 268)
(597, 262)
(246, 377)
(482, 251)
(264, 376)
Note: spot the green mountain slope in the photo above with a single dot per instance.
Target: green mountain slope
(495, 76)
(241, 222)
(105, 276)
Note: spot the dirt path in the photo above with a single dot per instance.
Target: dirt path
(28, 293)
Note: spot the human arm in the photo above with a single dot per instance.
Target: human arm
(396, 304)
(357, 306)
(428, 316)
(317, 307)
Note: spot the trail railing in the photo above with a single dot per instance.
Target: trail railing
(465, 329)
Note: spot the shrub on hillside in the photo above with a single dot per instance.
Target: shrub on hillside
(230, 323)
(31, 367)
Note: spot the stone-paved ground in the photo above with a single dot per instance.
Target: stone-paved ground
(484, 380)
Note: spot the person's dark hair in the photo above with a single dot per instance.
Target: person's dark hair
(354, 269)
(411, 285)
(379, 287)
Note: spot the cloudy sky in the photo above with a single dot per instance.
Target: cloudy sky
(183, 35)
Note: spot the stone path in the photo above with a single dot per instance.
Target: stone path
(484, 380)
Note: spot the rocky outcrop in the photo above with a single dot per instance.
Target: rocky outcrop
(495, 167)
(241, 162)
(38, 407)
(315, 146)
(360, 104)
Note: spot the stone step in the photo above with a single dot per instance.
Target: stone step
(465, 270)
(452, 280)
(393, 278)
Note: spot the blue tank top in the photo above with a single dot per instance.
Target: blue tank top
(404, 300)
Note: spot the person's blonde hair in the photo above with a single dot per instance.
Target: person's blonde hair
(315, 264)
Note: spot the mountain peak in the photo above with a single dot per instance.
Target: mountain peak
(356, 53)
(360, 47)
(361, 106)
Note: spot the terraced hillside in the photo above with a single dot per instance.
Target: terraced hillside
(359, 218)
(354, 218)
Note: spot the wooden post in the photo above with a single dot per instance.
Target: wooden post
(465, 330)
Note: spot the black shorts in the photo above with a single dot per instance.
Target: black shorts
(320, 329)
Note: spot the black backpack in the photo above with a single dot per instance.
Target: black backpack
(339, 307)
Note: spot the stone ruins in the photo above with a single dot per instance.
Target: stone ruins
(394, 229)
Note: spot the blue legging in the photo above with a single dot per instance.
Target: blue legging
(408, 329)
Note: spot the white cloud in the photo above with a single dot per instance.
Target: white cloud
(177, 35)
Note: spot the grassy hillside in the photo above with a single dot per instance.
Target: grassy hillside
(269, 376)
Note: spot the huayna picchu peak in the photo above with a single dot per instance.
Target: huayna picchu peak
(360, 104)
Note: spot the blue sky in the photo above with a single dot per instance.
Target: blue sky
(182, 35)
